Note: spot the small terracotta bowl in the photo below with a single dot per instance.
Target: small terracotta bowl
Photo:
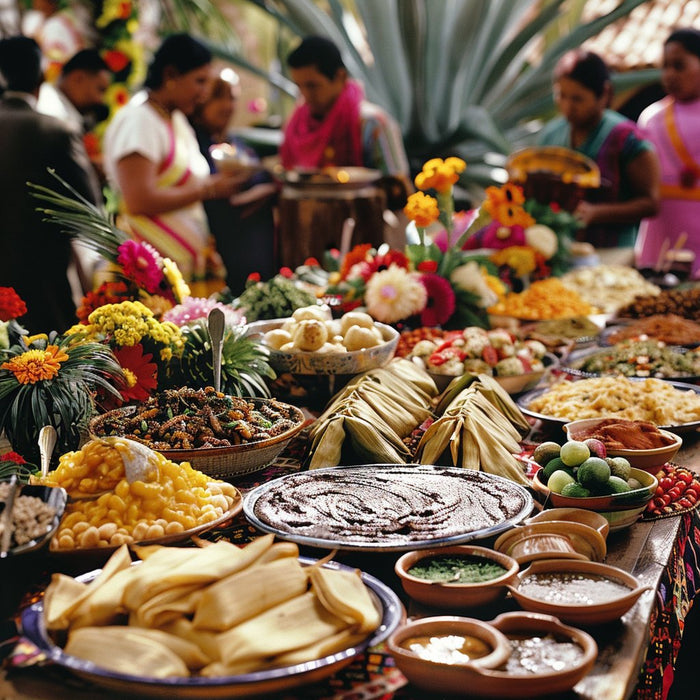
(648, 460)
(552, 539)
(555, 601)
(438, 677)
(455, 595)
(575, 515)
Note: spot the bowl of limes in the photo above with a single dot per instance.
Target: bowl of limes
(578, 474)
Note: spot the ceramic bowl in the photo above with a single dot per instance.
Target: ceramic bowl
(576, 515)
(455, 595)
(619, 509)
(501, 681)
(649, 460)
(565, 597)
(552, 539)
(440, 677)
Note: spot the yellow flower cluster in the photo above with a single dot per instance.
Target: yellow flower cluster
(177, 282)
(440, 175)
(521, 259)
(35, 366)
(128, 322)
(422, 208)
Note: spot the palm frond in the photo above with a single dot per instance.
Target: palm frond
(80, 219)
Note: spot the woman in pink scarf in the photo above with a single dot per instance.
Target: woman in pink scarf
(335, 126)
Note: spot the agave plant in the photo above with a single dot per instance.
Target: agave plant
(244, 364)
(457, 75)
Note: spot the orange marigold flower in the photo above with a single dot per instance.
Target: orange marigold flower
(495, 197)
(439, 174)
(513, 193)
(511, 215)
(36, 365)
(357, 255)
(422, 208)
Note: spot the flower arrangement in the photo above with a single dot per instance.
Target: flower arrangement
(51, 380)
(12, 463)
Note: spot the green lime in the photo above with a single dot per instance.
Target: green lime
(593, 473)
(552, 466)
(618, 485)
(559, 480)
(545, 452)
(619, 466)
(574, 453)
(575, 490)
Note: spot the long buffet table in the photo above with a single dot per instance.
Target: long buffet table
(636, 654)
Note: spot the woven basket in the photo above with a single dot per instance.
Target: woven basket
(223, 462)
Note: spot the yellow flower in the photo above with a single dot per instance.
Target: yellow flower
(31, 339)
(520, 258)
(422, 208)
(36, 365)
(439, 174)
(174, 276)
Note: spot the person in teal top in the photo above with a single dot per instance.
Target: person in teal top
(629, 167)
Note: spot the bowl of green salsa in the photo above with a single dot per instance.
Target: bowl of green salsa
(455, 577)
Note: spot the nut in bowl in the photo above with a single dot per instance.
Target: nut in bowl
(455, 577)
(641, 443)
(312, 342)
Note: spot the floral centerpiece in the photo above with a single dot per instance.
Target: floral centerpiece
(51, 380)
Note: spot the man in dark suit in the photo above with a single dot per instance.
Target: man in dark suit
(34, 254)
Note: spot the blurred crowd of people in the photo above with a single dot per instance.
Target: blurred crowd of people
(220, 224)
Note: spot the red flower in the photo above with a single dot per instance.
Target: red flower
(391, 257)
(356, 255)
(11, 304)
(13, 457)
(116, 60)
(311, 262)
(286, 272)
(141, 373)
(106, 293)
(441, 301)
(253, 277)
(554, 206)
(428, 266)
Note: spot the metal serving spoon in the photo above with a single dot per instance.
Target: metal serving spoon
(216, 323)
(47, 441)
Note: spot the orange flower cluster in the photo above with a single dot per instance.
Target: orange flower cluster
(439, 174)
(36, 365)
(505, 205)
(422, 208)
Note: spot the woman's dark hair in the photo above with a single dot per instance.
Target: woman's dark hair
(20, 64)
(180, 51)
(319, 52)
(688, 38)
(586, 68)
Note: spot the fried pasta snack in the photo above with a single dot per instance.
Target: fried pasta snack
(165, 617)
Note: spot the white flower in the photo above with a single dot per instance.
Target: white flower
(394, 294)
(469, 278)
(4, 335)
(542, 239)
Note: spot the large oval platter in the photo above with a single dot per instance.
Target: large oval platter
(259, 683)
(387, 507)
(525, 399)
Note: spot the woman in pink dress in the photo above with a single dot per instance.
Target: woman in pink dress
(673, 126)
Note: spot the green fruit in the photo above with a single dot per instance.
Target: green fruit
(619, 466)
(545, 452)
(634, 484)
(559, 480)
(593, 473)
(575, 490)
(574, 453)
(552, 466)
(618, 485)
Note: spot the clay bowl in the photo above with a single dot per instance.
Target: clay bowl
(565, 597)
(576, 515)
(552, 539)
(619, 509)
(455, 595)
(649, 460)
(439, 677)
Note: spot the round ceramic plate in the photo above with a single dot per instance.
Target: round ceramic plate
(387, 507)
(576, 358)
(524, 400)
(259, 683)
(174, 538)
